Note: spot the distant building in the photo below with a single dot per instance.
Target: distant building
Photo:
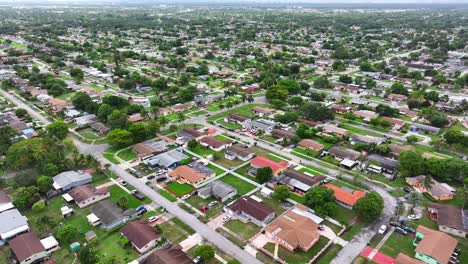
(249, 210)
(218, 190)
(238, 151)
(438, 191)
(70, 179)
(311, 145)
(420, 128)
(215, 144)
(334, 130)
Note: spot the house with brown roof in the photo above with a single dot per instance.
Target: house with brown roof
(345, 196)
(281, 133)
(263, 111)
(149, 148)
(438, 191)
(311, 145)
(57, 105)
(451, 219)
(100, 128)
(397, 149)
(239, 151)
(294, 230)
(168, 255)
(340, 109)
(344, 153)
(398, 98)
(135, 118)
(244, 121)
(194, 174)
(308, 122)
(141, 235)
(296, 181)
(366, 115)
(433, 246)
(397, 124)
(247, 209)
(334, 130)
(191, 133)
(27, 248)
(215, 144)
(86, 195)
(181, 107)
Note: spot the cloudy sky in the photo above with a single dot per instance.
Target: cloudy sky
(241, 1)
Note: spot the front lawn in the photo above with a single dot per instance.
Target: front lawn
(202, 151)
(180, 189)
(245, 110)
(99, 178)
(305, 152)
(232, 126)
(217, 170)
(246, 231)
(116, 193)
(172, 232)
(167, 195)
(398, 243)
(127, 154)
(197, 202)
(242, 187)
(344, 215)
(110, 250)
(298, 257)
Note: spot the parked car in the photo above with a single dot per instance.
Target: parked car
(152, 176)
(382, 229)
(123, 183)
(139, 208)
(226, 218)
(401, 231)
(153, 218)
(394, 224)
(413, 217)
(407, 189)
(142, 212)
(197, 259)
(133, 192)
(185, 197)
(409, 229)
(213, 203)
(160, 179)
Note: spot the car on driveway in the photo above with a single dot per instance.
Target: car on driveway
(413, 217)
(382, 229)
(123, 183)
(213, 203)
(152, 176)
(185, 197)
(396, 224)
(153, 218)
(401, 231)
(226, 218)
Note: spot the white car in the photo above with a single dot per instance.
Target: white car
(185, 197)
(413, 217)
(382, 229)
(213, 203)
(226, 218)
(153, 219)
(197, 259)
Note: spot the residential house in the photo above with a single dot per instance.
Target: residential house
(87, 194)
(451, 219)
(397, 124)
(356, 138)
(340, 109)
(264, 125)
(70, 179)
(420, 128)
(194, 174)
(311, 145)
(366, 115)
(100, 128)
(169, 159)
(248, 209)
(141, 235)
(191, 133)
(143, 101)
(168, 255)
(334, 130)
(296, 181)
(149, 148)
(12, 223)
(345, 196)
(396, 149)
(110, 215)
(181, 107)
(308, 122)
(344, 153)
(294, 230)
(250, 88)
(217, 189)
(244, 121)
(261, 162)
(387, 165)
(28, 249)
(5, 202)
(281, 133)
(397, 98)
(215, 144)
(85, 120)
(433, 246)
(407, 112)
(238, 151)
(438, 191)
(135, 118)
(57, 105)
(263, 112)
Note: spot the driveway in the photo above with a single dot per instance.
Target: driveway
(191, 241)
(217, 222)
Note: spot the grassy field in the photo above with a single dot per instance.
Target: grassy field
(167, 195)
(344, 215)
(172, 232)
(127, 154)
(180, 189)
(110, 248)
(245, 110)
(116, 193)
(217, 170)
(330, 254)
(99, 178)
(242, 187)
(232, 126)
(298, 257)
(202, 151)
(305, 152)
(398, 243)
(246, 231)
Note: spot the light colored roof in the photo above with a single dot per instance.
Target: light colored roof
(65, 178)
(218, 189)
(168, 158)
(49, 242)
(436, 244)
(10, 220)
(309, 143)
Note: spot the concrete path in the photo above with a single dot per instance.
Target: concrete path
(191, 241)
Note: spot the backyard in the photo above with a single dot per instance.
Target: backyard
(242, 186)
(179, 189)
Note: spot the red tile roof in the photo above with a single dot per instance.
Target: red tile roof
(344, 196)
(261, 162)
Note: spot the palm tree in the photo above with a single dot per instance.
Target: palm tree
(414, 198)
(426, 182)
(163, 121)
(181, 117)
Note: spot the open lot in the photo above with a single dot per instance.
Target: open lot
(245, 230)
(242, 187)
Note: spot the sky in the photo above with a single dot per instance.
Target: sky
(243, 1)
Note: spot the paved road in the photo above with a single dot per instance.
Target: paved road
(209, 234)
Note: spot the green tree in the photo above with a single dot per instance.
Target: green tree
(192, 144)
(120, 138)
(263, 174)
(104, 111)
(412, 139)
(139, 132)
(58, 129)
(322, 82)
(20, 112)
(398, 88)
(281, 193)
(25, 197)
(44, 183)
(317, 112)
(67, 234)
(87, 255)
(6, 138)
(321, 199)
(206, 252)
(77, 74)
(117, 119)
(38, 207)
(370, 206)
(410, 163)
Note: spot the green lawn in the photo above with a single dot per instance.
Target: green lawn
(213, 108)
(297, 198)
(116, 193)
(272, 203)
(218, 170)
(246, 231)
(99, 178)
(109, 154)
(172, 232)
(183, 226)
(330, 254)
(298, 257)
(127, 154)
(398, 243)
(200, 150)
(305, 152)
(399, 182)
(242, 187)
(245, 110)
(232, 126)
(197, 202)
(243, 170)
(198, 113)
(223, 138)
(180, 189)
(355, 130)
(353, 230)
(312, 170)
(110, 248)
(167, 195)
(344, 215)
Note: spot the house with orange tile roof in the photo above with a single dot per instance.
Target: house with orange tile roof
(345, 196)
(194, 174)
(262, 162)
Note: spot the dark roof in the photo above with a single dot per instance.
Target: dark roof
(26, 245)
(282, 133)
(251, 207)
(214, 142)
(140, 233)
(344, 153)
(191, 132)
(108, 212)
(240, 150)
(170, 255)
(238, 117)
(385, 162)
(308, 122)
(309, 180)
(449, 215)
(99, 126)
